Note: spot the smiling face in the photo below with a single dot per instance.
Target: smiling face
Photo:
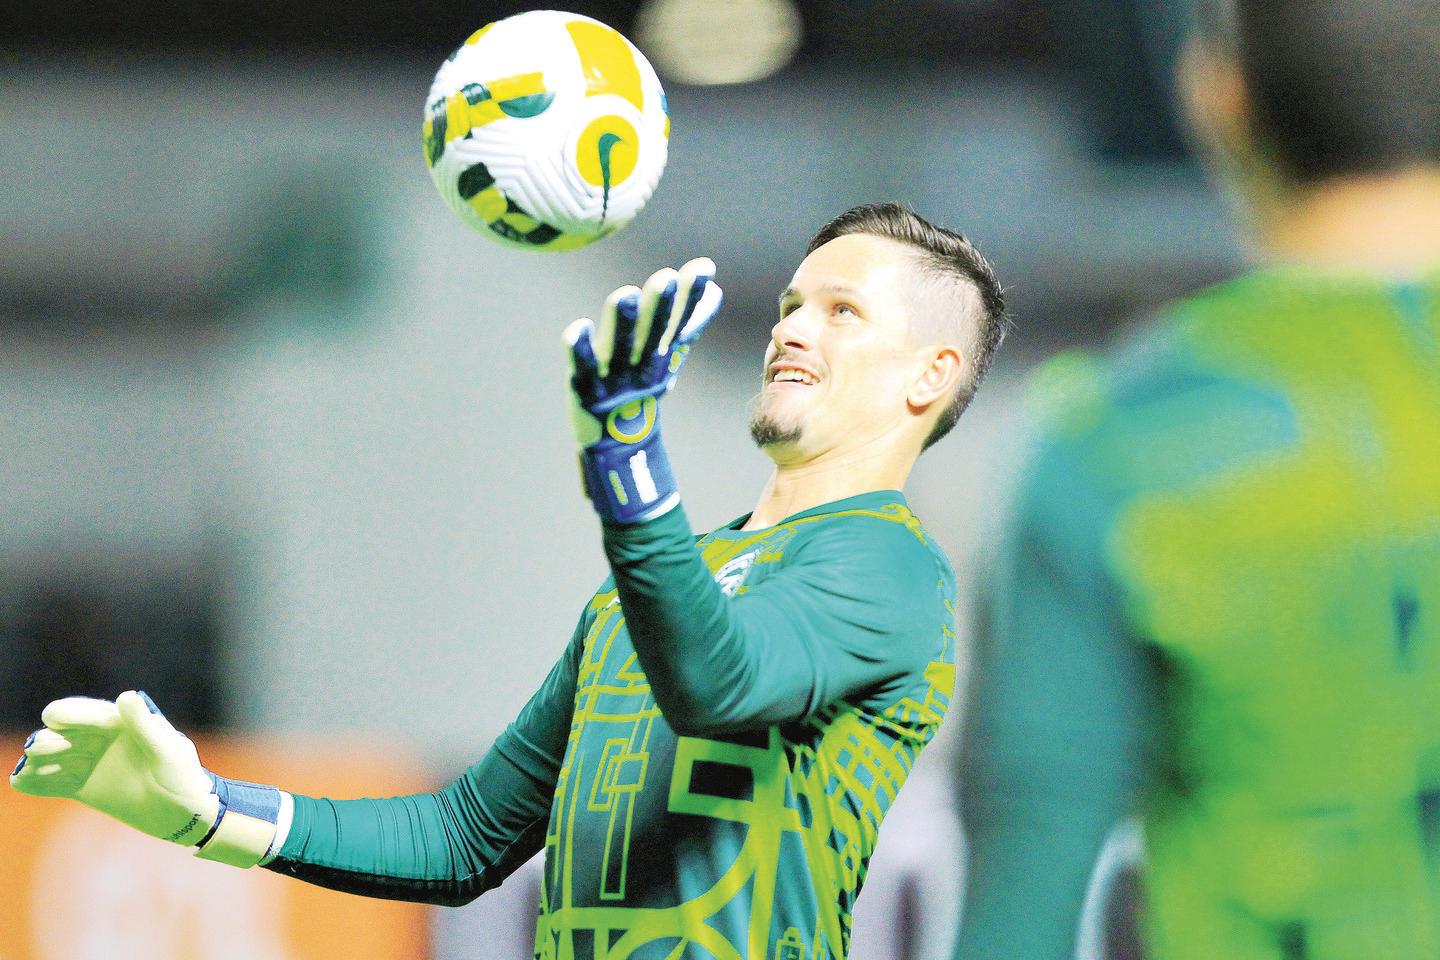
(848, 363)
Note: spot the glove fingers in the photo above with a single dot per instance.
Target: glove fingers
(45, 743)
(706, 306)
(583, 365)
(174, 763)
(81, 713)
(627, 318)
(657, 304)
(87, 724)
(602, 338)
(617, 328)
(49, 767)
(88, 741)
(143, 719)
(694, 276)
(64, 766)
(24, 755)
(46, 780)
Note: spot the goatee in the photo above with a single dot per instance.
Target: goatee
(765, 430)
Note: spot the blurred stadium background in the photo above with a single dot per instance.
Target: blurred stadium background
(284, 444)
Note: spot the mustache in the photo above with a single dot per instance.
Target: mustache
(787, 356)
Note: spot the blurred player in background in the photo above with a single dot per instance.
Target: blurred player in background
(1219, 606)
(708, 764)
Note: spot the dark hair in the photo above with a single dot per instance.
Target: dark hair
(1337, 87)
(945, 254)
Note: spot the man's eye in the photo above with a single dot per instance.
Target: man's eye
(845, 308)
(788, 308)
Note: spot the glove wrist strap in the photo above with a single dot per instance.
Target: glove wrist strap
(629, 482)
(245, 829)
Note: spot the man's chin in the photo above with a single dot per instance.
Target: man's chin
(771, 434)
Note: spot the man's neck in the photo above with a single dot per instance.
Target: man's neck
(1386, 225)
(796, 487)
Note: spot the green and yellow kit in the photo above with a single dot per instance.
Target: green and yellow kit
(708, 764)
(1219, 607)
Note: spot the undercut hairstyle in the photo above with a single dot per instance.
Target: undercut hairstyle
(969, 310)
(1337, 87)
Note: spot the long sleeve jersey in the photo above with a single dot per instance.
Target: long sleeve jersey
(707, 765)
(1217, 610)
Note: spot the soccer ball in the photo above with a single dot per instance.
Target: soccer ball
(546, 130)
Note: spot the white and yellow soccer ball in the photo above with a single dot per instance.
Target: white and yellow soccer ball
(546, 130)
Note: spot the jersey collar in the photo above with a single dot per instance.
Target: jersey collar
(869, 500)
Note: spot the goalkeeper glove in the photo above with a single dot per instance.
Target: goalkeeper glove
(618, 374)
(126, 760)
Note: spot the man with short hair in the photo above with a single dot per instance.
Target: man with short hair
(708, 763)
(1219, 605)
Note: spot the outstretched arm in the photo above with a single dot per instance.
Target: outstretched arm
(450, 846)
(447, 847)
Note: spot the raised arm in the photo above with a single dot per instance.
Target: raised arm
(831, 624)
(840, 618)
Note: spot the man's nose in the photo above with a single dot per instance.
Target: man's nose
(792, 331)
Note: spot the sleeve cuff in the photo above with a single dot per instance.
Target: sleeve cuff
(282, 827)
(669, 522)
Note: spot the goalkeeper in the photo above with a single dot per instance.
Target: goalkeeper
(1220, 606)
(708, 763)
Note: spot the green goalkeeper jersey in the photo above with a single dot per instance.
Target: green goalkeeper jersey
(1220, 608)
(708, 764)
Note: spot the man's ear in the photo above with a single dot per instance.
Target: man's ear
(942, 370)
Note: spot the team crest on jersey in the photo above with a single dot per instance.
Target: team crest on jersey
(731, 575)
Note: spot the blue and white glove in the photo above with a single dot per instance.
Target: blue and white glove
(126, 760)
(619, 371)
